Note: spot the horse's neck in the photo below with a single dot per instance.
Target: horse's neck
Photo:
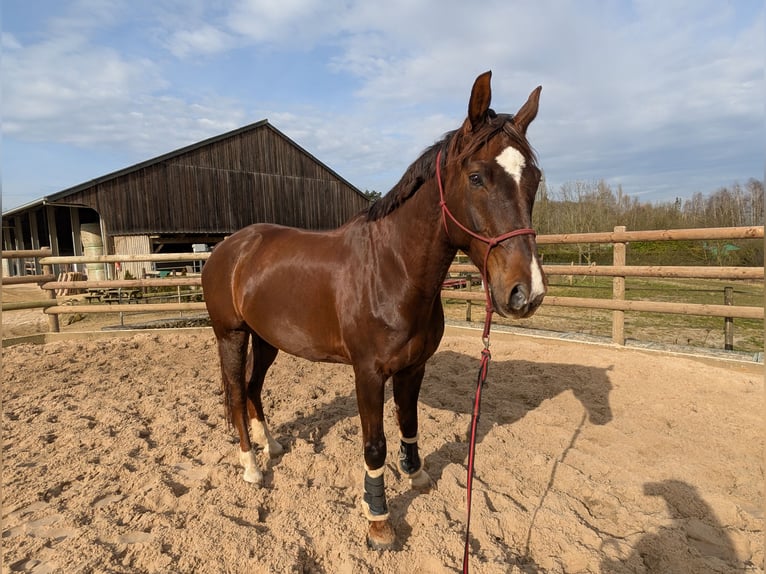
(416, 231)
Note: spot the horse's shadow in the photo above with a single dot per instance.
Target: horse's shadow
(514, 388)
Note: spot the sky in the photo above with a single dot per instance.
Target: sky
(664, 98)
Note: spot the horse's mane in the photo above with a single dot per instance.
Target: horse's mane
(455, 146)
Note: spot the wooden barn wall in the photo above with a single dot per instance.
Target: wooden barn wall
(256, 176)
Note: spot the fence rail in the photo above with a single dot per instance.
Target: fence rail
(665, 271)
(735, 312)
(619, 270)
(621, 235)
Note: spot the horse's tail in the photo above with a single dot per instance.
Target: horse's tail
(227, 410)
(235, 391)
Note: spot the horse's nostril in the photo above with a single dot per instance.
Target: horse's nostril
(518, 297)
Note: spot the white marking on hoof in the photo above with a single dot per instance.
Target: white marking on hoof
(251, 474)
(262, 436)
(419, 479)
(513, 162)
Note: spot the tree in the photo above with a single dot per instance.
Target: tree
(581, 207)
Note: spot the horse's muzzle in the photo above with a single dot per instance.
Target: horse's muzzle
(520, 304)
(519, 298)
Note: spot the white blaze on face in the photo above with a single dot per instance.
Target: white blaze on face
(538, 286)
(512, 161)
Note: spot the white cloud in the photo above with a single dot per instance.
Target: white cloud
(625, 85)
(9, 42)
(295, 25)
(70, 91)
(66, 81)
(205, 40)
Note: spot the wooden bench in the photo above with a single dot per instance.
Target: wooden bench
(118, 295)
(114, 295)
(93, 295)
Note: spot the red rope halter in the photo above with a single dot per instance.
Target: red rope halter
(485, 354)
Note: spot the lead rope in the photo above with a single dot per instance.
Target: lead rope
(485, 354)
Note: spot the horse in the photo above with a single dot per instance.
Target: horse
(367, 294)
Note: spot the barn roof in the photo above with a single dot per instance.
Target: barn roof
(60, 197)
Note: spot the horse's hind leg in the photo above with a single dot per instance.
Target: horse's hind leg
(232, 349)
(406, 385)
(259, 360)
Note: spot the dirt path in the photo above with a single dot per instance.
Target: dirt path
(591, 459)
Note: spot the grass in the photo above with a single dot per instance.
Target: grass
(687, 330)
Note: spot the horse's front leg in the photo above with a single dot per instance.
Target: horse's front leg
(369, 396)
(406, 391)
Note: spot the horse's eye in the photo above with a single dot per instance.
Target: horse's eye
(475, 180)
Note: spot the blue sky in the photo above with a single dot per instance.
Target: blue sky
(665, 97)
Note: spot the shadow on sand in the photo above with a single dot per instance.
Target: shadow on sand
(695, 542)
(514, 388)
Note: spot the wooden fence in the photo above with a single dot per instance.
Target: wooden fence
(619, 270)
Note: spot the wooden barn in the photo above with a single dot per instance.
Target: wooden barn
(188, 199)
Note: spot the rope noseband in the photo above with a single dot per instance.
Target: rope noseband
(485, 354)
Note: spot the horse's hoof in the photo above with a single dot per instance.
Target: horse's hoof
(274, 449)
(420, 481)
(250, 464)
(381, 535)
(253, 476)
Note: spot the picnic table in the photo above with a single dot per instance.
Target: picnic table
(114, 295)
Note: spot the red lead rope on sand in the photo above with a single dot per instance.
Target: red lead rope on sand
(481, 380)
(485, 354)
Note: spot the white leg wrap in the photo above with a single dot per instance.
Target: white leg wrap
(375, 473)
(251, 474)
(262, 436)
(406, 440)
(370, 516)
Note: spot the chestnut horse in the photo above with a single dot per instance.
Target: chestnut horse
(368, 293)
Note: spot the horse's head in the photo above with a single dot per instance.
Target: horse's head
(489, 181)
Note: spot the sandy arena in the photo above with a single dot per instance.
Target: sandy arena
(592, 459)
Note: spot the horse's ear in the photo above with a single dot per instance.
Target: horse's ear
(528, 111)
(481, 94)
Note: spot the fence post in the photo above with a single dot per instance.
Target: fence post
(728, 322)
(618, 290)
(53, 319)
(468, 285)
